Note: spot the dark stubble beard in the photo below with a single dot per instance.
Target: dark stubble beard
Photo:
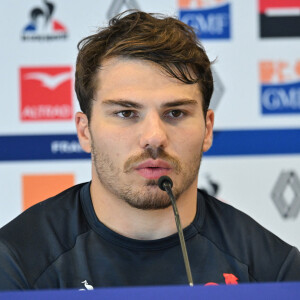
(147, 196)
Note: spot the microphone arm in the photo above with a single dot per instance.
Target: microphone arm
(165, 183)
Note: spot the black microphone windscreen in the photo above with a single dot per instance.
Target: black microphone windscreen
(164, 179)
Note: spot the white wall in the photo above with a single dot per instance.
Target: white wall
(251, 150)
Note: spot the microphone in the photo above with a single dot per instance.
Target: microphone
(165, 183)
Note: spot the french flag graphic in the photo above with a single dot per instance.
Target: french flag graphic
(279, 18)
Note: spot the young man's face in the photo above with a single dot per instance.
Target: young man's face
(143, 125)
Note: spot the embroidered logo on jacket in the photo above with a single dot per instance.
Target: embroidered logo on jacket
(229, 279)
(87, 287)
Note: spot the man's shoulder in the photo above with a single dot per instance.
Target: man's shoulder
(234, 224)
(44, 231)
(238, 235)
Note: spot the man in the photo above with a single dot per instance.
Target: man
(144, 86)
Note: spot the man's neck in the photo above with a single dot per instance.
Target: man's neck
(140, 224)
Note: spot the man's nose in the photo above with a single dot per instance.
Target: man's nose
(153, 132)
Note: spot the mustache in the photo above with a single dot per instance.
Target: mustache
(151, 153)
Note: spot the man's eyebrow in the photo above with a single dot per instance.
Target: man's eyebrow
(180, 103)
(132, 104)
(123, 103)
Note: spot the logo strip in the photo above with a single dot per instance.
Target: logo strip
(255, 142)
(226, 143)
(40, 147)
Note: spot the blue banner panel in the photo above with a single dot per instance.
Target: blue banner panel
(226, 142)
(40, 147)
(255, 142)
(262, 291)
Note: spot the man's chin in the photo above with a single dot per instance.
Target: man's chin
(151, 198)
(149, 205)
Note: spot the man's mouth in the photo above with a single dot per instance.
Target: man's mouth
(153, 169)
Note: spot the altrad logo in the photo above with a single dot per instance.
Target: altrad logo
(209, 18)
(280, 87)
(46, 93)
(279, 18)
(42, 26)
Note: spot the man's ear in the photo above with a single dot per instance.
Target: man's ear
(83, 133)
(208, 139)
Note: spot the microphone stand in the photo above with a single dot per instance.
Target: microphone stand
(165, 183)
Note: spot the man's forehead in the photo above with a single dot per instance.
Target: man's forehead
(129, 67)
(136, 79)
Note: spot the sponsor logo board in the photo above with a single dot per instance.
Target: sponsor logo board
(219, 91)
(209, 18)
(207, 183)
(286, 194)
(279, 18)
(118, 6)
(39, 187)
(280, 87)
(42, 26)
(46, 93)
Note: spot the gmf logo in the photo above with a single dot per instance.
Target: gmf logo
(209, 18)
(280, 87)
(46, 93)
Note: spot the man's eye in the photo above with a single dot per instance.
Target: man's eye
(126, 114)
(175, 113)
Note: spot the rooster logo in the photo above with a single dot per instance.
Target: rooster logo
(87, 287)
(41, 18)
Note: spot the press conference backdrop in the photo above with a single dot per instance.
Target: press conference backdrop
(254, 163)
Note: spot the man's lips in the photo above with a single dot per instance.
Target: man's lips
(153, 169)
(153, 164)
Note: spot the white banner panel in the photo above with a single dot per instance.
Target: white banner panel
(254, 162)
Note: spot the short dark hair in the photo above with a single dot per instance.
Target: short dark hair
(163, 40)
